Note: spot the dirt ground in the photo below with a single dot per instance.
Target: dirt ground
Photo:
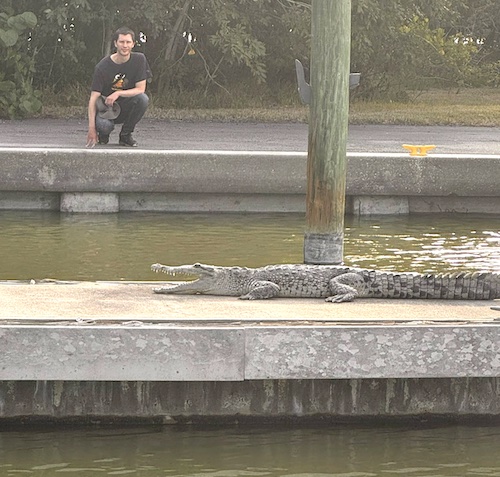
(155, 134)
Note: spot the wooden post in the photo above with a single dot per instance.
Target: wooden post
(326, 163)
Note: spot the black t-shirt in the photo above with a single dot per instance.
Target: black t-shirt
(110, 76)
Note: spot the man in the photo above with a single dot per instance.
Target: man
(120, 78)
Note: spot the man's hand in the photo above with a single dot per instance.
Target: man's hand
(92, 134)
(91, 138)
(112, 98)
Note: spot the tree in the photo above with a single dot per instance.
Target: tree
(190, 44)
(227, 45)
(17, 96)
(406, 45)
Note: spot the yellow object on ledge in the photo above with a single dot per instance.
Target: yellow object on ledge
(418, 150)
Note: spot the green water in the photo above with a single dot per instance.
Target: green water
(122, 246)
(335, 452)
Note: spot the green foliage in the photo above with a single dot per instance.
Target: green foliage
(212, 47)
(416, 45)
(13, 26)
(17, 96)
(438, 58)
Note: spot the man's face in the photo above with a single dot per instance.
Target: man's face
(124, 44)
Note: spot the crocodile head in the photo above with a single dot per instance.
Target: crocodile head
(210, 280)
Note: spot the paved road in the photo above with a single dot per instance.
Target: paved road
(154, 134)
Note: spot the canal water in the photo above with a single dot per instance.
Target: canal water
(122, 246)
(322, 452)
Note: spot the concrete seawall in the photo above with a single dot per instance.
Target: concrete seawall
(108, 350)
(111, 180)
(381, 400)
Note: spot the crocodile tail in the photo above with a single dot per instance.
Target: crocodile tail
(451, 286)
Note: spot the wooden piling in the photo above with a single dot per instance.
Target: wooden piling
(328, 124)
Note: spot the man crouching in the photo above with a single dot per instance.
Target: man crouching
(118, 92)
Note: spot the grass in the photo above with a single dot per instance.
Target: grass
(467, 107)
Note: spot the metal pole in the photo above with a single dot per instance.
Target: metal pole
(326, 163)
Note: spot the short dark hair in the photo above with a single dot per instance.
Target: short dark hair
(124, 31)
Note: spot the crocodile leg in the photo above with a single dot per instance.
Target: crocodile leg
(345, 287)
(261, 290)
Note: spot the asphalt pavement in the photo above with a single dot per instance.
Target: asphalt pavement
(182, 135)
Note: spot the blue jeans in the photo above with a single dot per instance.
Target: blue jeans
(132, 111)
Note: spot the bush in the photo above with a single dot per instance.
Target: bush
(17, 96)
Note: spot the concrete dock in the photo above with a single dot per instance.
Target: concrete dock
(122, 331)
(93, 351)
(220, 167)
(74, 350)
(114, 180)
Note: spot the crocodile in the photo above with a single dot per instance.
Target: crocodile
(335, 283)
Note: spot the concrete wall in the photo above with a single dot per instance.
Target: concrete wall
(180, 373)
(239, 353)
(259, 399)
(109, 180)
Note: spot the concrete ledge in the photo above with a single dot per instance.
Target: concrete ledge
(99, 353)
(125, 332)
(172, 180)
(133, 170)
(245, 352)
(373, 352)
(106, 350)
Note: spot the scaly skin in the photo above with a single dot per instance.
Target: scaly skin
(335, 283)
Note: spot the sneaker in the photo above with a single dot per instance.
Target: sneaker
(102, 138)
(127, 140)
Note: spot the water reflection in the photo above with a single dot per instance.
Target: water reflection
(425, 243)
(122, 246)
(334, 452)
